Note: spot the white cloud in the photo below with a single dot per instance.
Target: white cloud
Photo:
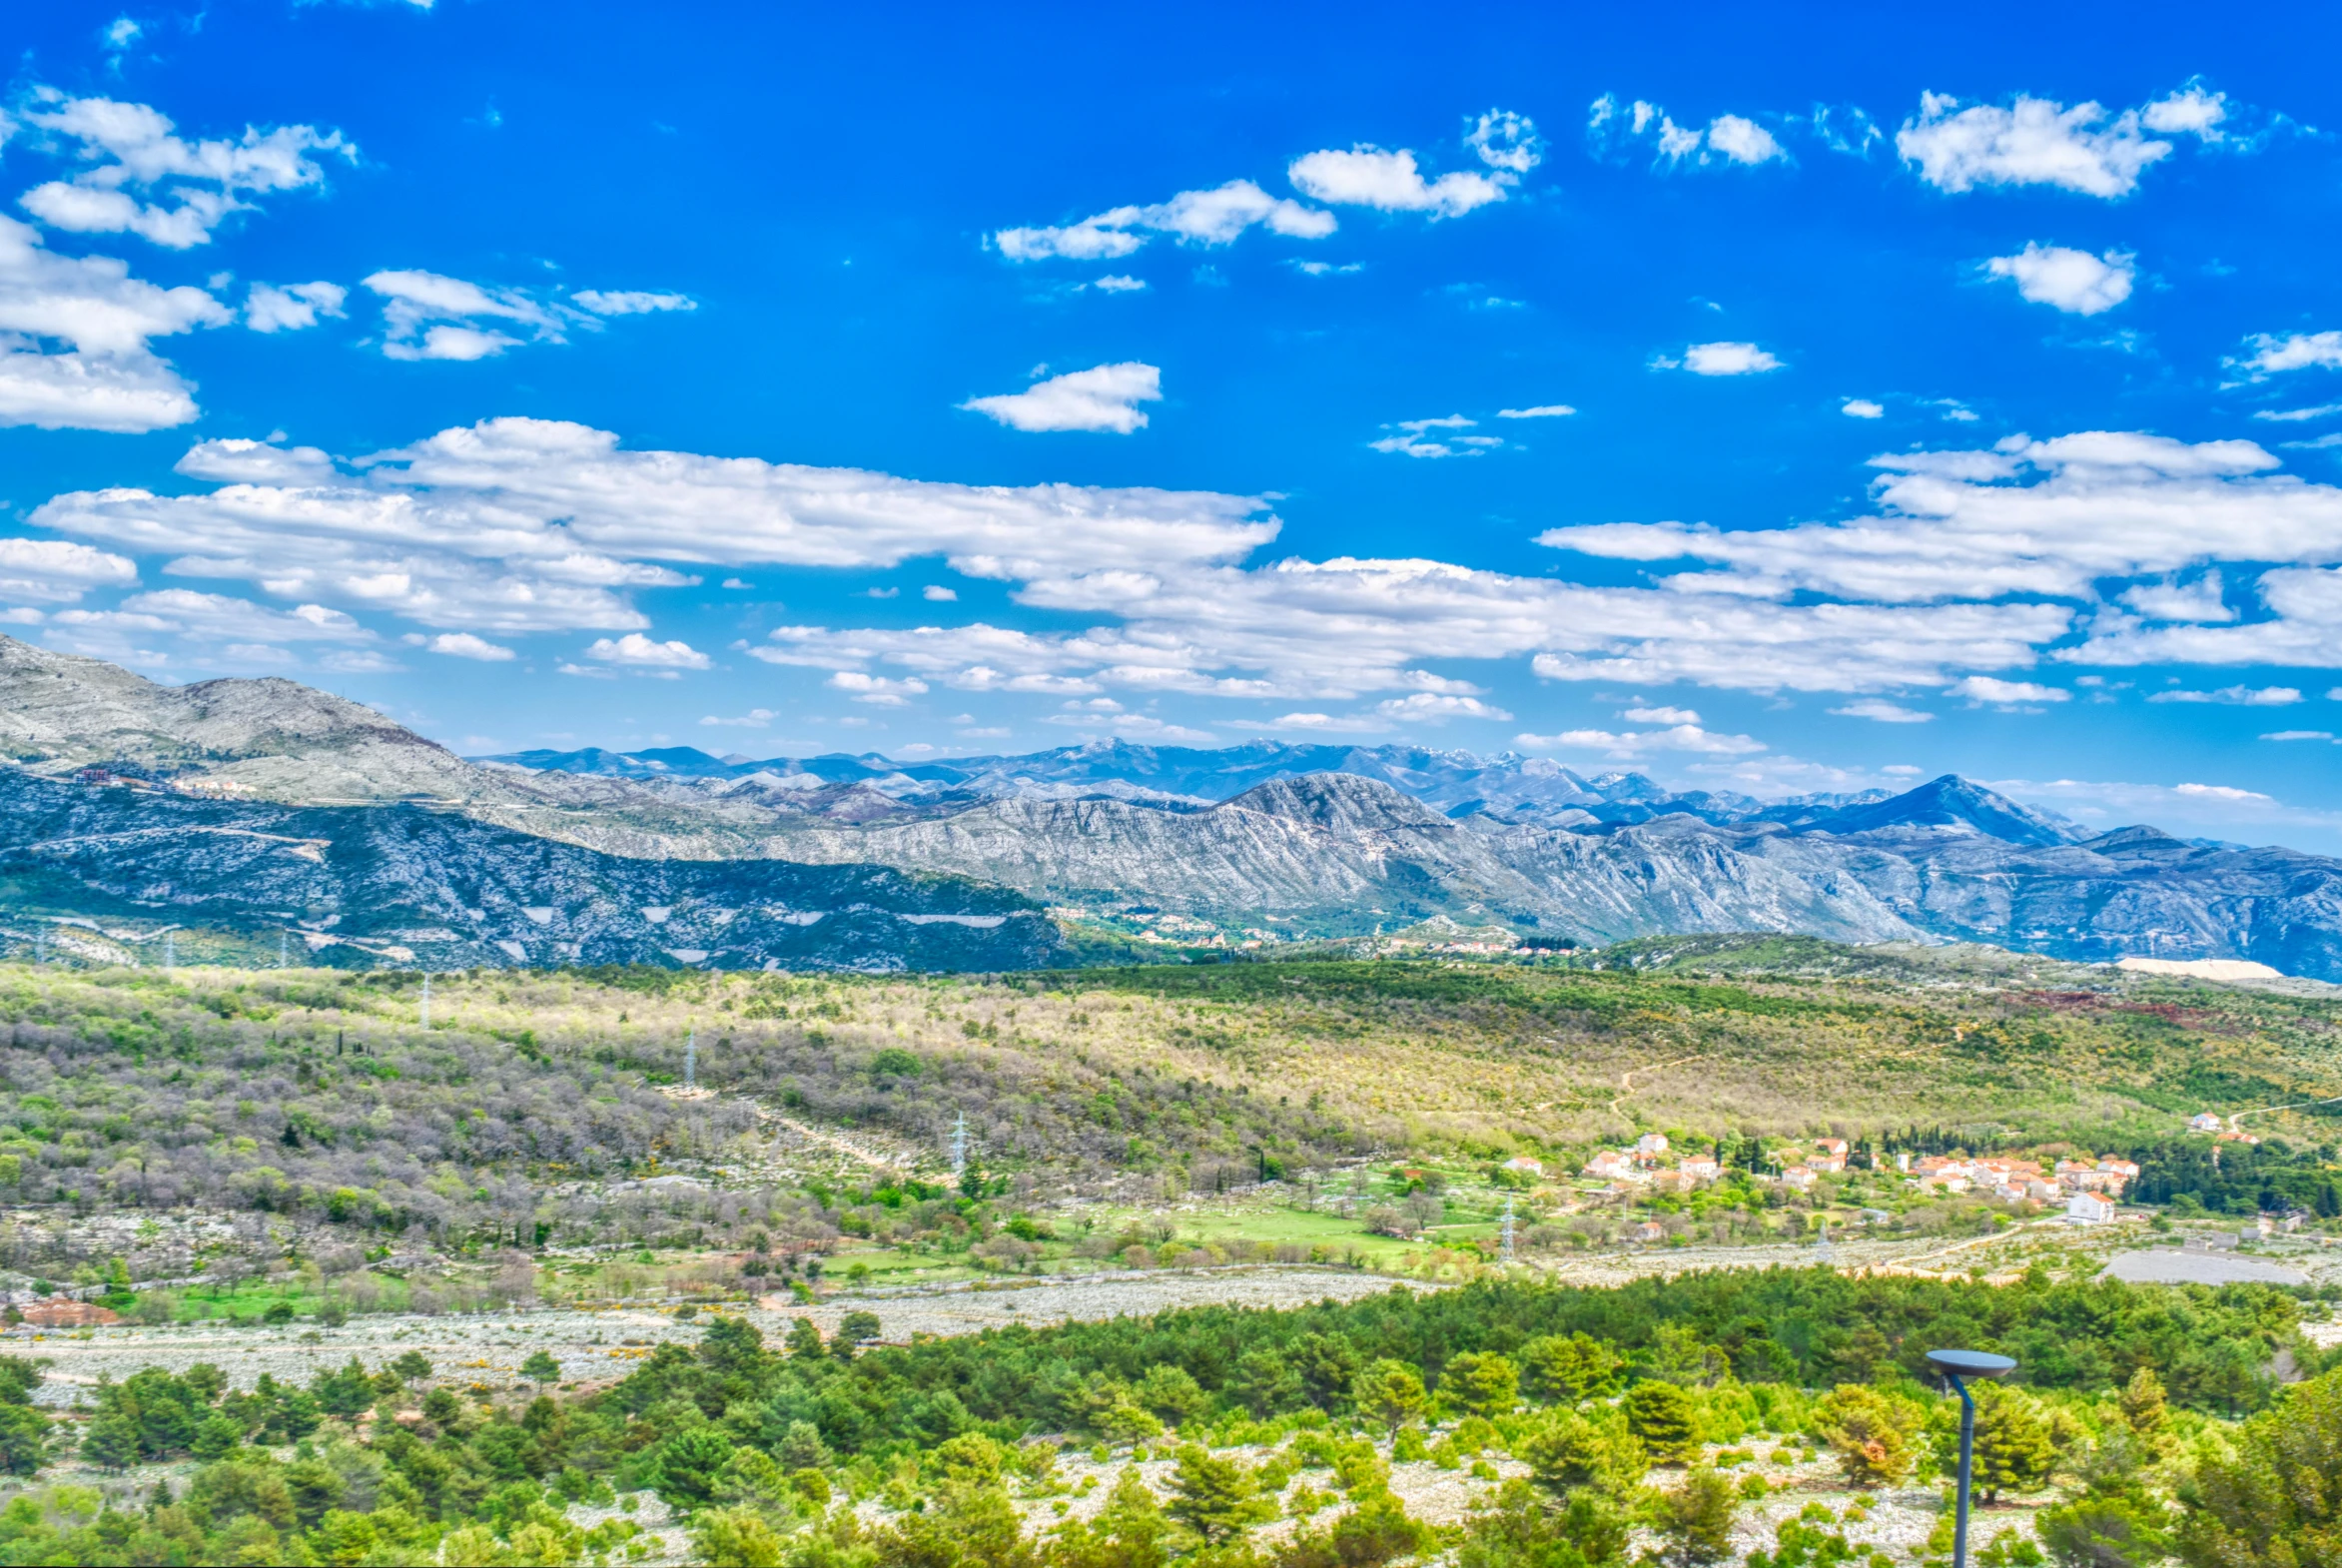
(1219, 216)
(464, 645)
(935, 593)
(1136, 726)
(631, 303)
(2035, 141)
(2299, 734)
(2200, 600)
(1506, 141)
(2220, 792)
(878, 690)
(1543, 410)
(2076, 282)
(1102, 398)
(2295, 416)
(53, 572)
(1861, 409)
(107, 375)
(1326, 269)
(2006, 693)
(635, 651)
(1720, 359)
(2189, 111)
(2236, 696)
(431, 316)
(1117, 283)
(754, 718)
(1390, 182)
(1883, 712)
(1659, 715)
(1434, 708)
(2294, 351)
(192, 185)
(1417, 440)
(1729, 139)
(292, 308)
(140, 626)
(1638, 743)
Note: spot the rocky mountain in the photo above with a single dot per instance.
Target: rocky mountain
(110, 871)
(263, 805)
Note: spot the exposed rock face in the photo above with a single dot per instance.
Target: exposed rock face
(1323, 840)
(406, 885)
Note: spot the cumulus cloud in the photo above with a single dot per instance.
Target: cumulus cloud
(1390, 182)
(292, 306)
(1728, 140)
(1428, 439)
(878, 690)
(1102, 398)
(1883, 712)
(55, 571)
(636, 651)
(1543, 410)
(1861, 409)
(2201, 601)
(464, 645)
(188, 187)
(1720, 359)
(2075, 281)
(1215, 217)
(2272, 356)
(1506, 141)
(935, 593)
(2006, 693)
(141, 627)
(1436, 707)
(624, 302)
(76, 340)
(2035, 141)
(427, 316)
(1628, 744)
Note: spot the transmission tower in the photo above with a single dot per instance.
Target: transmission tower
(426, 999)
(1822, 1244)
(691, 1059)
(41, 945)
(284, 949)
(959, 1147)
(1507, 1231)
(170, 953)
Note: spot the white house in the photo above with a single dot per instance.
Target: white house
(2088, 1208)
(2203, 1122)
(1651, 1144)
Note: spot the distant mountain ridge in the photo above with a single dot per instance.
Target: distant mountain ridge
(268, 804)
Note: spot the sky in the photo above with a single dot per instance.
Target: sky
(1771, 405)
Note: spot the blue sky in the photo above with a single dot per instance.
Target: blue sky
(1761, 405)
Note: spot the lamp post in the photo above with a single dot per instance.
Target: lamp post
(1957, 1366)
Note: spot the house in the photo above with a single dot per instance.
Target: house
(1827, 1161)
(1799, 1177)
(1648, 1231)
(2088, 1208)
(2044, 1191)
(2259, 1227)
(1526, 1166)
(2203, 1122)
(1651, 1144)
(1611, 1166)
(1701, 1168)
(1833, 1148)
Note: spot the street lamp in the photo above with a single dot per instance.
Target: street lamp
(1957, 1366)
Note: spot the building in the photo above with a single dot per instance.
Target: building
(1526, 1166)
(1799, 1177)
(1651, 1144)
(1612, 1166)
(1701, 1168)
(2203, 1122)
(2088, 1208)
(1648, 1231)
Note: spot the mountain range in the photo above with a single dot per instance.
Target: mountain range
(262, 805)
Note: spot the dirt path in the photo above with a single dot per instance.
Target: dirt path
(1625, 1079)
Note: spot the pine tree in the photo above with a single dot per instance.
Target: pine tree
(1664, 1419)
(1390, 1392)
(2014, 1450)
(1695, 1520)
(112, 1442)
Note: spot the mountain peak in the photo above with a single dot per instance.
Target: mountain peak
(1959, 805)
(1344, 802)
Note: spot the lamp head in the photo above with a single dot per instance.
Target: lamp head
(1971, 1363)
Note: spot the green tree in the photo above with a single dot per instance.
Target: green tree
(804, 1339)
(1216, 1498)
(1129, 1532)
(1665, 1420)
(217, 1437)
(1521, 1528)
(411, 1366)
(110, 1441)
(735, 1538)
(1482, 1382)
(1569, 1452)
(24, 1439)
(1570, 1368)
(541, 1367)
(1172, 1394)
(1388, 1392)
(1694, 1520)
(683, 1469)
(2105, 1532)
(1376, 1531)
(2278, 1502)
(1870, 1432)
(2014, 1449)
